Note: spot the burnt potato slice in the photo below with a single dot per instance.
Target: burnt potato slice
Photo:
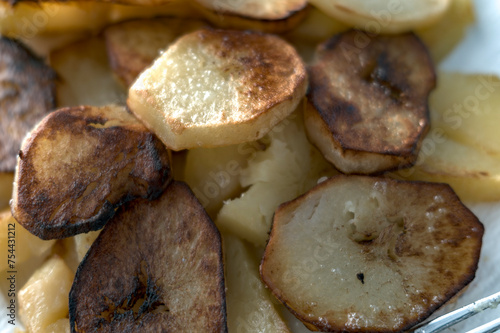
(133, 45)
(367, 106)
(27, 94)
(79, 164)
(155, 267)
(368, 254)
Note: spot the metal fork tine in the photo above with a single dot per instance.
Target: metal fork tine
(450, 319)
(490, 327)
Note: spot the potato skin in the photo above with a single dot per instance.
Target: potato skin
(79, 164)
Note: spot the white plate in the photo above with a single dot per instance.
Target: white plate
(478, 53)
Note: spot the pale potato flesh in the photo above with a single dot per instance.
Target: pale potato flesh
(43, 300)
(381, 16)
(366, 254)
(84, 75)
(29, 246)
(215, 87)
(466, 108)
(288, 167)
(250, 305)
(472, 173)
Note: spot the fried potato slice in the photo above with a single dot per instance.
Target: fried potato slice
(275, 16)
(132, 46)
(84, 75)
(466, 107)
(473, 174)
(368, 254)
(219, 87)
(155, 267)
(381, 16)
(27, 95)
(249, 303)
(79, 164)
(367, 106)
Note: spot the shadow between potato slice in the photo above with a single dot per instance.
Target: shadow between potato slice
(156, 267)
(79, 164)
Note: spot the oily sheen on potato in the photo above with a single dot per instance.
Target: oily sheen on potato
(219, 87)
(367, 105)
(79, 164)
(369, 254)
(155, 267)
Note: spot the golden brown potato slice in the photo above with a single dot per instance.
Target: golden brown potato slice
(219, 87)
(155, 267)
(270, 16)
(84, 75)
(368, 254)
(133, 45)
(79, 164)
(27, 94)
(382, 16)
(367, 109)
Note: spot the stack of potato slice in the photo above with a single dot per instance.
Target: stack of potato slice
(169, 124)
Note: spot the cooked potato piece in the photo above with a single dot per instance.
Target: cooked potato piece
(85, 77)
(249, 304)
(442, 36)
(472, 173)
(367, 109)
(28, 19)
(6, 181)
(219, 87)
(79, 164)
(134, 45)
(60, 326)
(43, 300)
(214, 174)
(155, 267)
(26, 246)
(27, 95)
(466, 108)
(368, 254)
(288, 167)
(381, 16)
(263, 15)
(83, 242)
